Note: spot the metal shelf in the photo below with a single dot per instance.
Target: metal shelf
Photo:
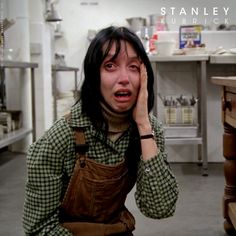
(14, 136)
(55, 70)
(17, 64)
(223, 59)
(64, 68)
(179, 58)
(58, 34)
(201, 139)
(183, 141)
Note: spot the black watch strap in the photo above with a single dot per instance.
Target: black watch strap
(147, 136)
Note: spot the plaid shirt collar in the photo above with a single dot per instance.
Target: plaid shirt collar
(78, 119)
(81, 120)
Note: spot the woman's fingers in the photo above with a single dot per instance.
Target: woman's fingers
(143, 75)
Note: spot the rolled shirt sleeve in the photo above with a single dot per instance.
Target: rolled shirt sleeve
(156, 188)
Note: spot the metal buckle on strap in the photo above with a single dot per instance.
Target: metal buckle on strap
(82, 161)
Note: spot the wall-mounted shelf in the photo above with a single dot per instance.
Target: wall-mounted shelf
(17, 135)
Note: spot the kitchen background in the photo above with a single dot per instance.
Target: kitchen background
(32, 38)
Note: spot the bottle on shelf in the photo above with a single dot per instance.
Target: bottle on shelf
(152, 44)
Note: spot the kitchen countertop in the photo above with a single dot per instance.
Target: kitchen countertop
(223, 59)
(213, 58)
(199, 57)
(224, 80)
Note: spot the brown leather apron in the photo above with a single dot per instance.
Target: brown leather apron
(94, 203)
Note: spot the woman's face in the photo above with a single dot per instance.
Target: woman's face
(120, 78)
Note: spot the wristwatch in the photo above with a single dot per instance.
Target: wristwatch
(147, 136)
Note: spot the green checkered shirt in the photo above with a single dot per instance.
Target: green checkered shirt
(51, 159)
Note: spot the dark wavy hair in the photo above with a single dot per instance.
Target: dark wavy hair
(90, 91)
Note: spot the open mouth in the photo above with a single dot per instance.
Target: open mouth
(122, 94)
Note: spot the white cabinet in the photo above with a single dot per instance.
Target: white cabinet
(21, 133)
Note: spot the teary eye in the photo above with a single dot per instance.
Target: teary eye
(134, 67)
(109, 66)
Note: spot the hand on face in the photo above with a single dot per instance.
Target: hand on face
(140, 112)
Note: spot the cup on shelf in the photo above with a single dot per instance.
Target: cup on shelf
(187, 114)
(170, 115)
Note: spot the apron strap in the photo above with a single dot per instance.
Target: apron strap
(81, 146)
